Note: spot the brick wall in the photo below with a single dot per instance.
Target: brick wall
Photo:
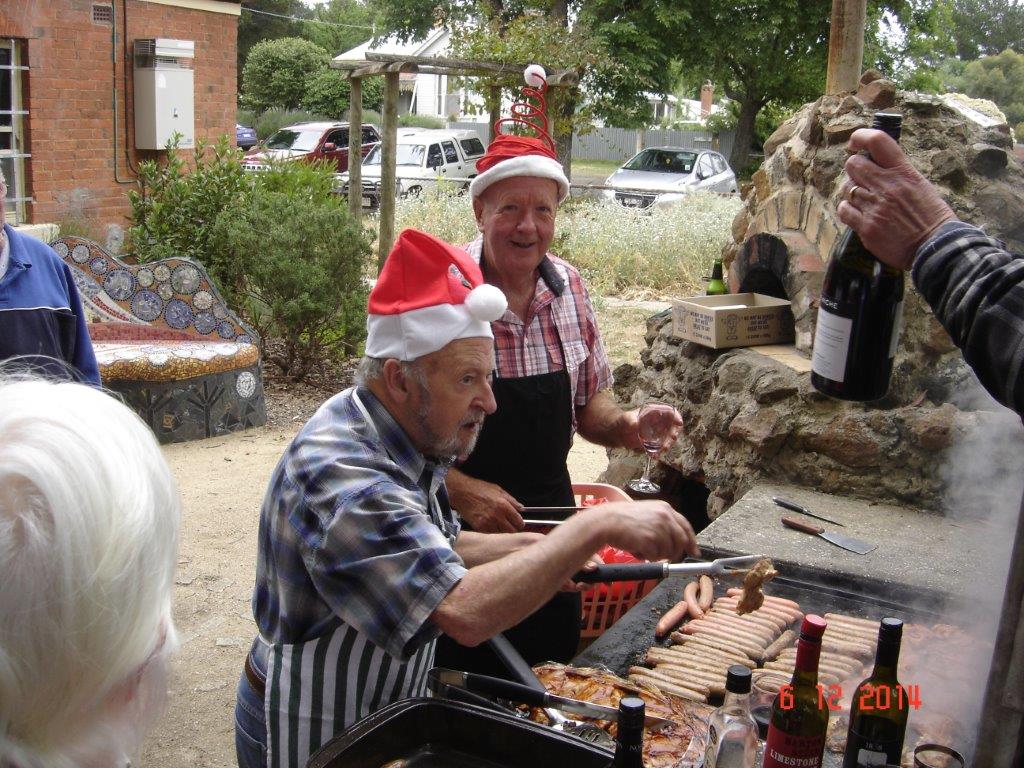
(83, 161)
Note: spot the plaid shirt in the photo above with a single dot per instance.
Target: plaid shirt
(349, 533)
(976, 289)
(560, 333)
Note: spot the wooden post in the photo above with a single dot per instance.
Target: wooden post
(355, 148)
(845, 46)
(388, 156)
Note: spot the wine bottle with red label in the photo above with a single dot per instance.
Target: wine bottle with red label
(859, 316)
(796, 733)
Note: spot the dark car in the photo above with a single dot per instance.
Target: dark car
(310, 141)
(245, 137)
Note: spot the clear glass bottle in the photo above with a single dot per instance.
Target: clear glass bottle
(716, 285)
(732, 734)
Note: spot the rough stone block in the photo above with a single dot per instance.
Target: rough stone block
(771, 215)
(987, 160)
(761, 186)
(879, 94)
(827, 239)
(791, 209)
(935, 339)
(740, 223)
(948, 166)
(839, 130)
(764, 429)
(813, 217)
(869, 76)
(781, 135)
(932, 428)
(848, 441)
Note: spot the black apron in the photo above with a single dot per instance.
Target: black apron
(523, 448)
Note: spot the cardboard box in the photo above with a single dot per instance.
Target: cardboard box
(733, 320)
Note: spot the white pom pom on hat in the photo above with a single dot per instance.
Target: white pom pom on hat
(486, 302)
(535, 76)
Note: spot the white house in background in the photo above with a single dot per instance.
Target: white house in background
(419, 93)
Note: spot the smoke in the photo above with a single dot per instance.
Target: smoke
(983, 474)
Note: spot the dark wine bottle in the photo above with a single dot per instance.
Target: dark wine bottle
(629, 734)
(716, 285)
(859, 316)
(796, 733)
(878, 713)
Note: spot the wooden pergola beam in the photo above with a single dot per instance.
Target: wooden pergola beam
(845, 46)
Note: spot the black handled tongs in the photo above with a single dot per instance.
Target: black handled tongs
(438, 677)
(642, 571)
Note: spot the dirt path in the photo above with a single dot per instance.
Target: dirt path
(222, 481)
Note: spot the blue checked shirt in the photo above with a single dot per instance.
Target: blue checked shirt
(351, 532)
(976, 289)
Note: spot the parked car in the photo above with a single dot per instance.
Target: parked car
(422, 157)
(663, 175)
(309, 142)
(245, 137)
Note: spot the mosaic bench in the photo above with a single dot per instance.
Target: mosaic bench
(166, 341)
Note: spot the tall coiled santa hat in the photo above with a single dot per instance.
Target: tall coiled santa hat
(510, 155)
(429, 293)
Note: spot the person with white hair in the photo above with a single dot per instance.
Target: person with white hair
(42, 321)
(89, 518)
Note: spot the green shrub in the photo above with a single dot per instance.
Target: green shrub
(618, 250)
(173, 210)
(420, 121)
(302, 257)
(246, 117)
(276, 71)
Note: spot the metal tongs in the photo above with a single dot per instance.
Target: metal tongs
(506, 689)
(643, 571)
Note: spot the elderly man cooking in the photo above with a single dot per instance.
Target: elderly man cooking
(362, 563)
(552, 376)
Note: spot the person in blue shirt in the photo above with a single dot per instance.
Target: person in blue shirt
(42, 322)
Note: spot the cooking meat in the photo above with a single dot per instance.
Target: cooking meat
(752, 597)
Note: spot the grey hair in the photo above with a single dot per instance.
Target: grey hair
(372, 368)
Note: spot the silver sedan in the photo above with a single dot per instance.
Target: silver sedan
(663, 175)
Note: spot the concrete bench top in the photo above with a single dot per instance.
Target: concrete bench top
(916, 548)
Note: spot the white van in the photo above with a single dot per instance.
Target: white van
(423, 156)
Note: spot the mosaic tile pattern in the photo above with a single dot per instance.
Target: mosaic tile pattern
(167, 342)
(176, 293)
(206, 406)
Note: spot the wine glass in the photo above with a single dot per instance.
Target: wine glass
(655, 422)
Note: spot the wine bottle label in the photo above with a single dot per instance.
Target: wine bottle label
(831, 344)
(711, 753)
(897, 327)
(870, 758)
(783, 750)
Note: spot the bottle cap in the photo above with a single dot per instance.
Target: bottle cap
(813, 627)
(890, 630)
(631, 711)
(890, 122)
(737, 680)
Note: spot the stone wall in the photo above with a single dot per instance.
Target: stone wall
(748, 415)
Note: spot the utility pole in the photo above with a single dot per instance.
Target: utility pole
(845, 45)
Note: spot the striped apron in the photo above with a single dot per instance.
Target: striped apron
(317, 688)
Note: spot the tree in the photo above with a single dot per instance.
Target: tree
(987, 27)
(999, 79)
(756, 52)
(328, 92)
(339, 25)
(276, 72)
(265, 20)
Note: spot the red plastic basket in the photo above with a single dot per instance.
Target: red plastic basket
(604, 604)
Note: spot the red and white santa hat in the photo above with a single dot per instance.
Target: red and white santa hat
(429, 293)
(510, 155)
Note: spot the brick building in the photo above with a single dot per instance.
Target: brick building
(68, 142)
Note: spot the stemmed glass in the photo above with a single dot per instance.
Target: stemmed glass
(655, 422)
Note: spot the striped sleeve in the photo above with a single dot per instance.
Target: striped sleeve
(976, 289)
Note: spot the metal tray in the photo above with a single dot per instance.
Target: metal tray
(437, 732)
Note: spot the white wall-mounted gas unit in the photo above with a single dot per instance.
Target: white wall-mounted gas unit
(164, 93)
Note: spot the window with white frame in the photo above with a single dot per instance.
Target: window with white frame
(13, 121)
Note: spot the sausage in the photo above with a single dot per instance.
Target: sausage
(838, 633)
(706, 671)
(701, 644)
(749, 618)
(711, 666)
(754, 650)
(690, 596)
(782, 602)
(666, 687)
(778, 622)
(826, 678)
(842, 617)
(854, 631)
(772, 610)
(857, 650)
(773, 650)
(706, 593)
(845, 662)
(672, 617)
(783, 620)
(741, 626)
(692, 686)
(715, 682)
